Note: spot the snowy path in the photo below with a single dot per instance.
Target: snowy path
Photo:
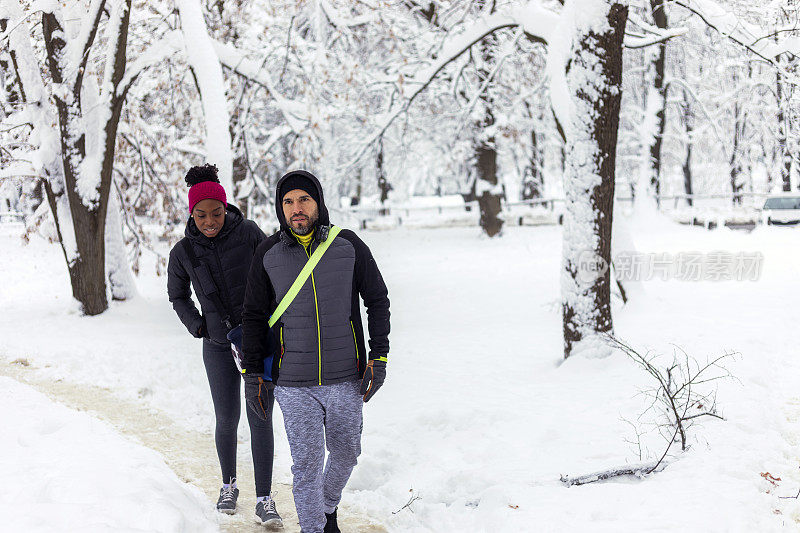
(479, 416)
(190, 454)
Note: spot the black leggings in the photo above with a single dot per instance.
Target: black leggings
(224, 380)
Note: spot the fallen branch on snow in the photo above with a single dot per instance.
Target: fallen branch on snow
(640, 470)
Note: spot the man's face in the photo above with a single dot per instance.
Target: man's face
(209, 216)
(301, 211)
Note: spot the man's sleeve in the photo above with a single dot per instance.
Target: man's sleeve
(372, 289)
(259, 300)
(180, 294)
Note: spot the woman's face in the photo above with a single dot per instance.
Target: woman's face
(209, 216)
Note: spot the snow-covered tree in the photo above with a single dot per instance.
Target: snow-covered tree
(589, 116)
(72, 103)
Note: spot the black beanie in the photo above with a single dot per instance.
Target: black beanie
(298, 181)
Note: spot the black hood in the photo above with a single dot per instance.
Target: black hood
(233, 217)
(324, 220)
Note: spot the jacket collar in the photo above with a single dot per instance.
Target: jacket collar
(320, 234)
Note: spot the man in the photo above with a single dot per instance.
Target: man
(321, 370)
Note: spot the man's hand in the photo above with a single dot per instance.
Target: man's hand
(256, 394)
(373, 378)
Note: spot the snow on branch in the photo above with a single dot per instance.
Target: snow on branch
(116, 62)
(344, 22)
(15, 17)
(536, 21)
(650, 34)
(493, 74)
(202, 57)
(639, 470)
(748, 35)
(78, 49)
(103, 106)
(234, 59)
(154, 54)
(275, 135)
(19, 168)
(633, 41)
(26, 66)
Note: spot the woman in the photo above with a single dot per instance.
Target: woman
(213, 259)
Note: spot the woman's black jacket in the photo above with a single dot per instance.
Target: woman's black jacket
(224, 262)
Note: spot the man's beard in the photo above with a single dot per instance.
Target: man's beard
(304, 227)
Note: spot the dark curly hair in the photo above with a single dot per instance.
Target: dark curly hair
(199, 174)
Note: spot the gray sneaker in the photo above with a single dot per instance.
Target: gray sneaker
(227, 500)
(267, 515)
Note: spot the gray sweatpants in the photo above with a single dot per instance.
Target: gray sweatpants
(317, 416)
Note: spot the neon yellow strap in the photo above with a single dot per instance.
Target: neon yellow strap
(381, 359)
(289, 297)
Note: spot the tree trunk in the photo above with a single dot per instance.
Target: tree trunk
(87, 272)
(687, 173)
(486, 190)
(383, 184)
(532, 184)
(735, 160)
(239, 177)
(122, 285)
(687, 162)
(782, 141)
(594, 79)
(489, 201)
(355, 195)
(658, 101)
(87, 266)
(120, 277)
(88, 193)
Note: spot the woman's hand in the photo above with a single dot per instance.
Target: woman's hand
(202, 331)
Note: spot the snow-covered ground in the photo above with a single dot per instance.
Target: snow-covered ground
(479, 416)
(66, 471)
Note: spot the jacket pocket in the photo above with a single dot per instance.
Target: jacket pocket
(204, 279)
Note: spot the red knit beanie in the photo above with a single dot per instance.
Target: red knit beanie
(205, 190)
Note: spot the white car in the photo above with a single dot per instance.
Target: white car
(781, 210)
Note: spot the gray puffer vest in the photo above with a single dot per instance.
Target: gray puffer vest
(316, 331)
(321, 337)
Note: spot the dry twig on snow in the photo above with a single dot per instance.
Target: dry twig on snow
(679, 397)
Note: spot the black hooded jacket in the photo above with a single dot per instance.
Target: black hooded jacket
(320, 334)
(224, 262)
